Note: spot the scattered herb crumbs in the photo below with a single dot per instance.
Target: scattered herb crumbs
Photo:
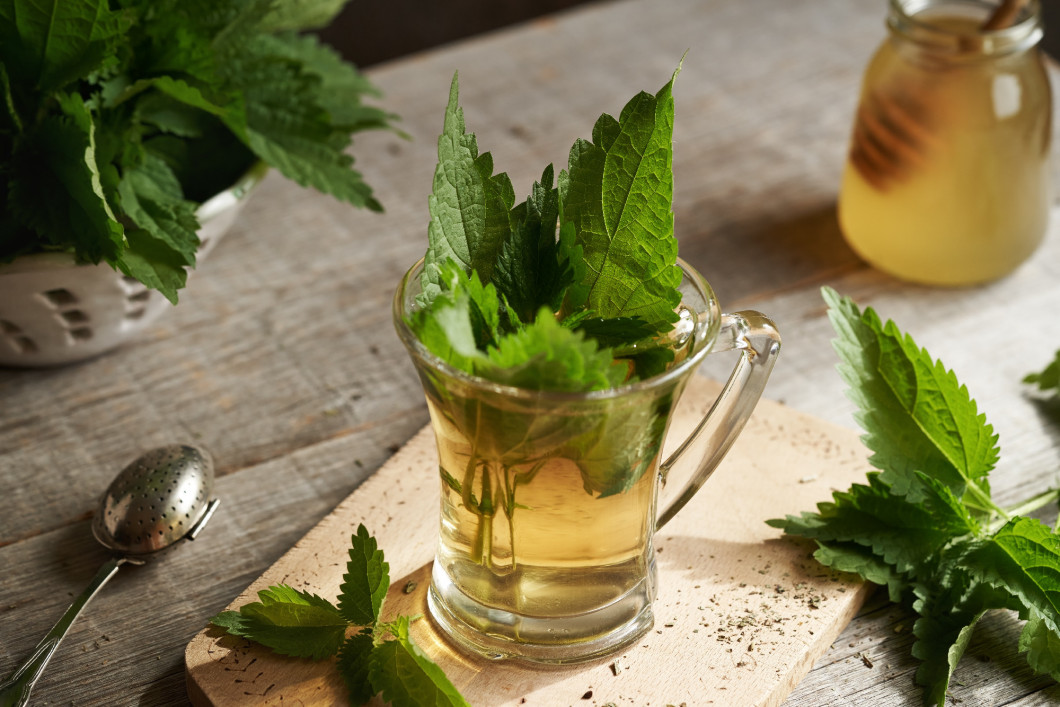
(925, 525)
(379, 658)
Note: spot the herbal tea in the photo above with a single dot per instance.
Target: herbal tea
(554, 530)
(553, 338)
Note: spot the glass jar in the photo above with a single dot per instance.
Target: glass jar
(947, 180)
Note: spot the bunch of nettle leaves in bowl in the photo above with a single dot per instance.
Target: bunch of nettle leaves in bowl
(129, 132)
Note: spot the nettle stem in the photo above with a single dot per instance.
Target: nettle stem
(482, 552)
(986, 503)
(1023, 508)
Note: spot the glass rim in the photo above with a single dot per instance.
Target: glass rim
(421, 352)
(1022, 34)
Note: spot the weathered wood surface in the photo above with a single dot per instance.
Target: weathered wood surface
(741, 616)
(282, 360)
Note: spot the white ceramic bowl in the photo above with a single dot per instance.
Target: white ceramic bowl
(55, 311)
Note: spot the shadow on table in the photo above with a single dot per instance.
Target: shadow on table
(753, 256)
(1049, 410)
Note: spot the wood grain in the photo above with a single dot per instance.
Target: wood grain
(742, 613)
(281, 358)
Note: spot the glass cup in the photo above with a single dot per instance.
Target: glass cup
(550, 501)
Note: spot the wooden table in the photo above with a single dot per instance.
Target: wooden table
(281, 358)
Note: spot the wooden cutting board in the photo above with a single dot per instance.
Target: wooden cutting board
(742, 612)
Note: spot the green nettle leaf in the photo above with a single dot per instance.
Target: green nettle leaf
(288, 621)
(304, 625)
(153, 262)
(446, 330)
(469, 205)
(89, 87)
(530, 272)
(354, 662)
(950, 602)
(617, 191)
(1041, 645)
(12, 121)
(613, 454)
(545, 355)
(922, 526)
(152, 198)
(366, 580)
(484, 306)
(408, 678)
(615, 331)
(857, 559)
(48, 43)
(941, 641)
(184, 93)
(915, 413)
(301, 14)
(341, 85)
(1023, 558)
(901, 533)
(286, 127)
(59, 158)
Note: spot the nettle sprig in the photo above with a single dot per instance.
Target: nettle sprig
(573, 289)
(118, 119)
(374, 656)
(925, 525)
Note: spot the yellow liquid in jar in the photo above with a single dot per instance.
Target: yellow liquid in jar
(978, 205)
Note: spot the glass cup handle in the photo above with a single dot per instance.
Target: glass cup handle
(756, 338)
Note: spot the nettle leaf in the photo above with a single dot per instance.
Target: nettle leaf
(484, 306)
(468, 205)
(170, 116)
(283, 123)
(859, 560)
(301, 14)
(353, 664)
(48, 43)
(902, 533)
(232, 113)
(613, 454)
(366, 580)
(153, 262)
(406, 676)
(341, 85)
(1023, 558)
(164, 242)
(288, 621)
(941, 642)
(59, 158)
(446, 330)
(151, 197)
(530, 273)
(616, 331)
(950, 603)
(544, 355)
(915, 413)
(1042, 646)
(617, 191)
(10, 119)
